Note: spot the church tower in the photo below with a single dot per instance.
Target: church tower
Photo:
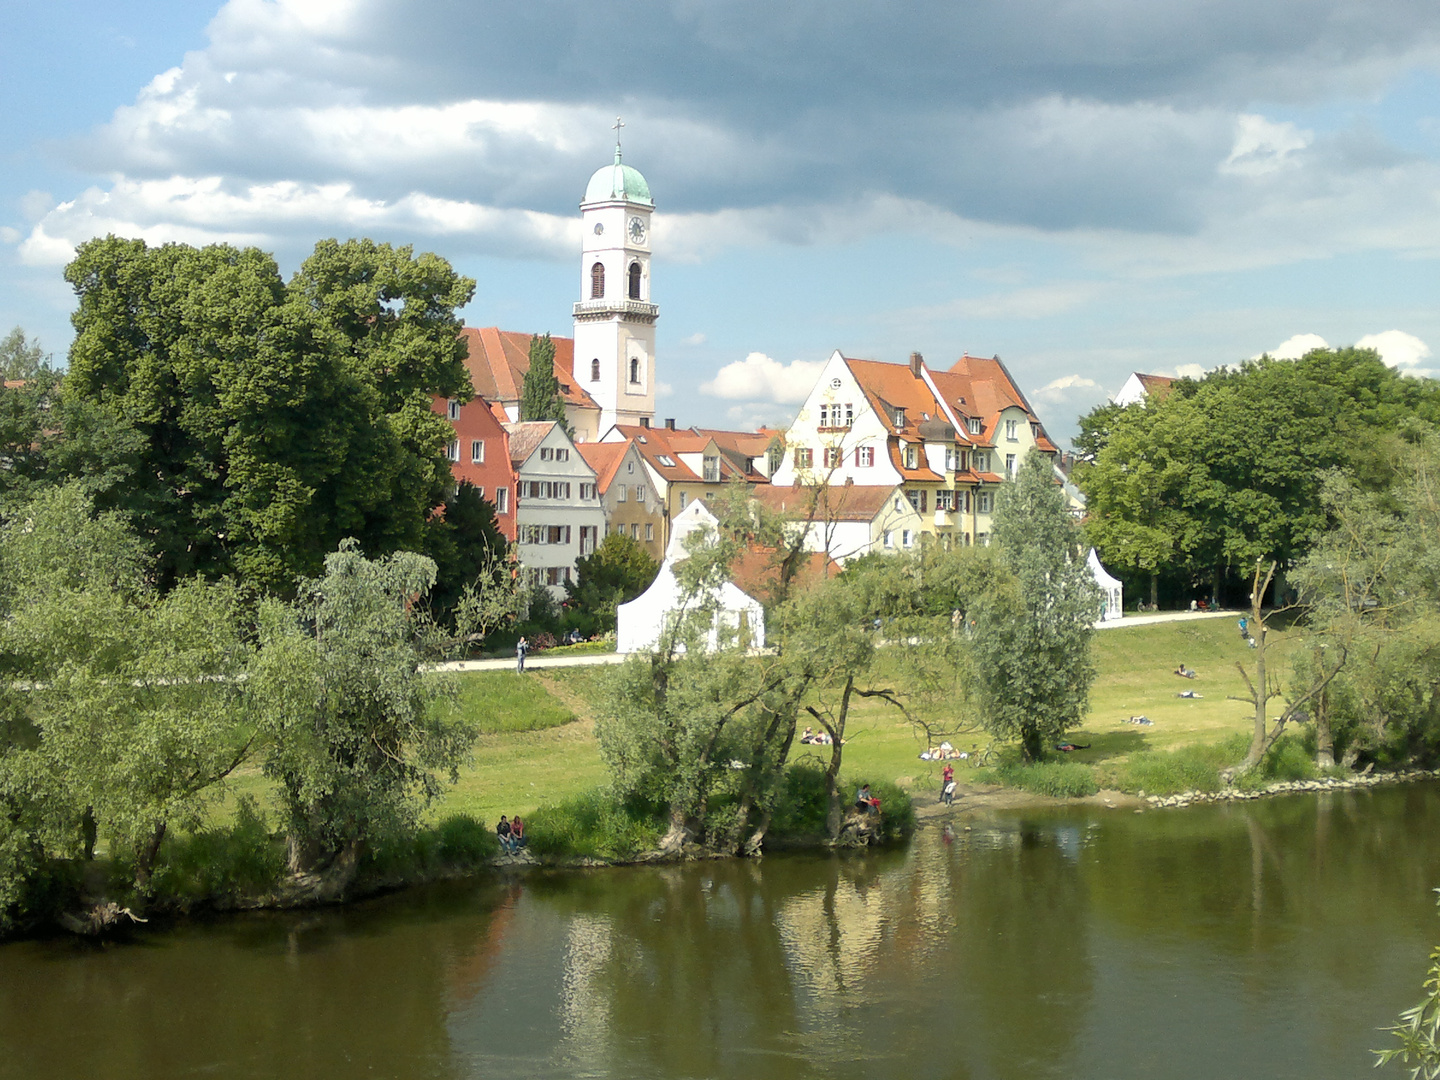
(614, 318)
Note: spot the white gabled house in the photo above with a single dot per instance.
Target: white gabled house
(848, 520)
(559, 517)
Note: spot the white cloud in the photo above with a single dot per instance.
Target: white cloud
(1189, 371)
(1398, 349)
(1065, 388)
(1263, 146)
(694, 339)
(752, 417)
(761, 378)
(1292, 348)
(663, 389)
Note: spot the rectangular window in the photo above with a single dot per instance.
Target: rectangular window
(804, 457)
(620, 529)
(976, 427)
(889, 539)
(907, 538)
(949, 459)
(1010, 430)
(849, 414)
(982, 539)
(914, 497)
(502, 500)
(587, 539)
(982, 461)
(824, 414)
(899, 418)
(552, 575)
(832, 456)
(983, 501)
(477, 451)
(562, 453)
(1010, 464)
(587, 492)
(453, 409)
(964, 461)
(634, 532)
(649, 532)
(963, 501)
(640, 493)
(711, 467)
(621, 493)
(945, 500)
(909, 457)
(547, 453)
(683, 500)
(453, 450)
(864, 456)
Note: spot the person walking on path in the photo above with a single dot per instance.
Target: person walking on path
(521, 648)
(947, 784)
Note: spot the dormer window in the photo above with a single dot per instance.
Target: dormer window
(594, 370)
(976, 427)
(635, 281)
(909, 457)
(899, 418)
(597, 281)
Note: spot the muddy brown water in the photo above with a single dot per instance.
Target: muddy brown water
(1262, 940)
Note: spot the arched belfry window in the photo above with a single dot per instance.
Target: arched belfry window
(634, 369)
(594, 370)
(597, 281)
(635, 281)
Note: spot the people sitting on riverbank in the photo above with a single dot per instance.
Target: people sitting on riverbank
(865, 802)
(502, 833)
(517, 833)
(1185, 672)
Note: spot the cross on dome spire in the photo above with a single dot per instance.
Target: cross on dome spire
(617, 126)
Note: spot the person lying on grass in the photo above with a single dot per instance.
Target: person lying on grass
(1185, 672)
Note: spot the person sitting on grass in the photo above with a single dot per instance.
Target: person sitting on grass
(865, 802)
(1185, 672)
(517, 833)
(502, 833)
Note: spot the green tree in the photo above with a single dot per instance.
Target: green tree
(540, 396)
(1032, 643)
(619, 570)
(466, 544)
(135, 708)
(353, 738)
(22, 358)
(1419, 1030)
(268, 420)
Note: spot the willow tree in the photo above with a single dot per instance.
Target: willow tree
(1031, 643)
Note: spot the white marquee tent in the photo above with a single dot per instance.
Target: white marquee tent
(640, 622)
(1114, 606)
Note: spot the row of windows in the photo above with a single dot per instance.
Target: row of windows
(554, 453)
(832, 457)
(597, 281)
(908, 538)
(477, 451)
(634, 370)
(554, 489)
(549, 575)
(558, 534)
(950, 501)
(837, 416)
(634, 531)
(621, 492)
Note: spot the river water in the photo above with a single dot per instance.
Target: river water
(1270, 939)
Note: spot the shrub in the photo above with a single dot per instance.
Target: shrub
(595, 824)
(464, 841)
(1190, 768)
(800, 804)
(1061, 779)
(896, 808)
(242, 859)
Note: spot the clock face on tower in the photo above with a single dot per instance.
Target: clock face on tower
(637, 230)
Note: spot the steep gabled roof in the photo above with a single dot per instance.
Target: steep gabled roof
(894, 386)
(499, 359)
(740, 448)
(984, 387)
(526, 437)
(652, 444)
(605, 459)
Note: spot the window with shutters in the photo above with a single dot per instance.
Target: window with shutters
(865, 456)
(804, 457)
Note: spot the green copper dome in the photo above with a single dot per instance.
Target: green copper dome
(618, 181)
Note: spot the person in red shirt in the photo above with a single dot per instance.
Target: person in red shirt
(947, 784)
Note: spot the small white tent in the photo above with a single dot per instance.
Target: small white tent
(1114, 591)
(639, 623)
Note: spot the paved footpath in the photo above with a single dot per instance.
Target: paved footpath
(539, 662)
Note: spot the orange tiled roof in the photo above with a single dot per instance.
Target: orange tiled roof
(499, 359)
(605, 459)
(526, 437)
(653, 442)
(755, 570)
(841, 502)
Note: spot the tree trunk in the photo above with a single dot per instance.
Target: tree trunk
(88, 832)
(679, 833)
(834, 812)
(1154, 590)
(145, 858)
(1324, 736)
(1260, 691)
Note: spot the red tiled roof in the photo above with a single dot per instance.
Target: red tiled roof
(652, 442)
(756, 570)
(499, 359)
(841, 502)
(605, 459)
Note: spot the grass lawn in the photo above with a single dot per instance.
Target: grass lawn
(537, 741)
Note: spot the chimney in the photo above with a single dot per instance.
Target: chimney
(915, 361)
(669, 423)
(644, 421)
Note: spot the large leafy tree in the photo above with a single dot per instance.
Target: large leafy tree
(353, 736)
(1222, 471)
(1032, 643)
(270, 420)
(468, 549)
(127, 708)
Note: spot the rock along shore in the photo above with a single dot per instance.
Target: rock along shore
(1285, 787)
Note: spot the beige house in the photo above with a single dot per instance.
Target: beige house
(628, 494)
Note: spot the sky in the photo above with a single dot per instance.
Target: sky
(1085, 188)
